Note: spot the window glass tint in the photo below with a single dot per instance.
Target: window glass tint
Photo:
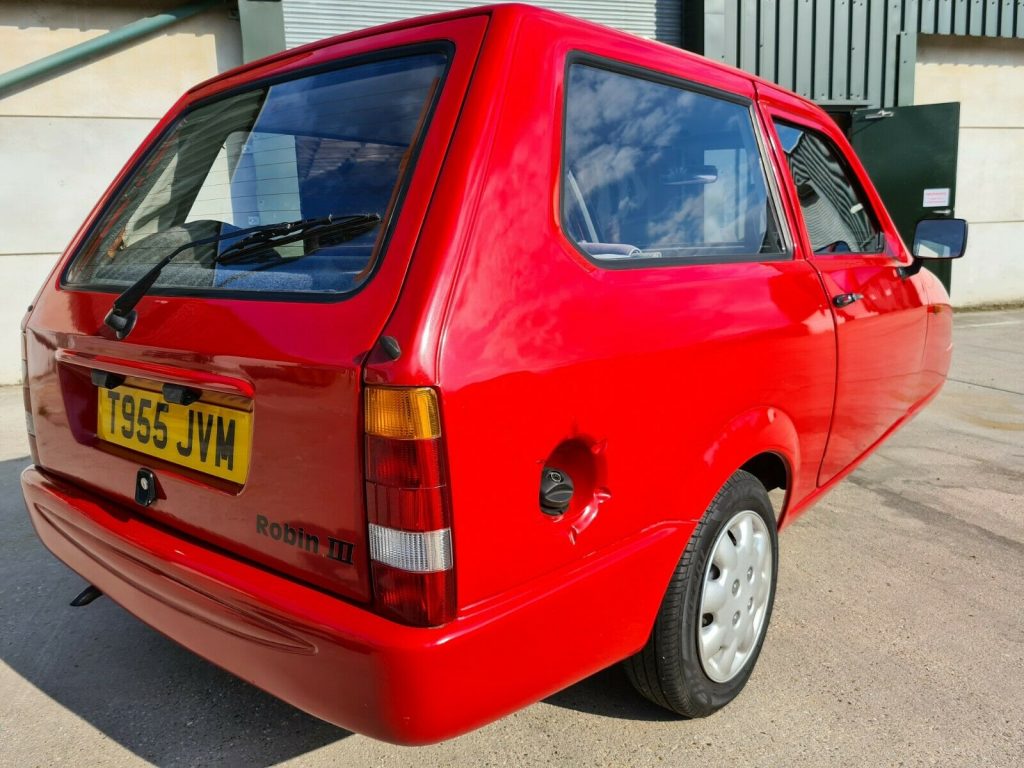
(657, 171)
(331, 144)
(836, 213)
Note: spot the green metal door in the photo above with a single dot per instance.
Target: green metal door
(910, 154)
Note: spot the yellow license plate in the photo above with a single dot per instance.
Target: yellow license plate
(208, 438)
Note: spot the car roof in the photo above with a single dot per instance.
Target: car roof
(509, 10)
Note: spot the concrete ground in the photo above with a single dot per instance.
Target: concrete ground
(897, 637)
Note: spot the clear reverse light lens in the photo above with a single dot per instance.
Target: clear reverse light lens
(426, 552)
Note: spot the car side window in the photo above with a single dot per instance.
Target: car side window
(653, 170)
(836, 212)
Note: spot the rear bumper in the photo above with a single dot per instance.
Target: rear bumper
(340, 662)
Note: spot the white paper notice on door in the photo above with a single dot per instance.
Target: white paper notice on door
(936, 198)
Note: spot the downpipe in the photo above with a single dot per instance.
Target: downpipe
(56, 63)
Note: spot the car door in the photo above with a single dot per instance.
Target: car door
(880, 314)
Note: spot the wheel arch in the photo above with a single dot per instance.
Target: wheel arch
(770, 468)
(762, 441)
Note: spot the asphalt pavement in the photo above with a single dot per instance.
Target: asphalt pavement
(897, 637)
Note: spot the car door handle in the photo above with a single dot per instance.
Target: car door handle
(846, 299)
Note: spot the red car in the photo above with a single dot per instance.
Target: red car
(416, 374)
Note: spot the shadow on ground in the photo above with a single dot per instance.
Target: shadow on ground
(156, 699)
(609, 694)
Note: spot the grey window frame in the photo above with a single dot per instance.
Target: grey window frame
(774, 195)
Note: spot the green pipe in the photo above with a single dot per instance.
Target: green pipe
(16, 79)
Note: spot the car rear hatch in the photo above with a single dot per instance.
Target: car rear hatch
(239, 386)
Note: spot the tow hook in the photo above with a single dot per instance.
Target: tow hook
(86, 596)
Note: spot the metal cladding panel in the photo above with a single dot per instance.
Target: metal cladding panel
(845, 51)
(308, 20)
(768, 41)
(974, 18)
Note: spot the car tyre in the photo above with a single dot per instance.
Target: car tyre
(705, 643)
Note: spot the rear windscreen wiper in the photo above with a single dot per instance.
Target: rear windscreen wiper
(122, 315)
(258, 248)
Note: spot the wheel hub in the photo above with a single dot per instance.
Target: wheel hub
(734, 596)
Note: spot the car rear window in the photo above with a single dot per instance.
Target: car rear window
(658, 170)
(323, 147)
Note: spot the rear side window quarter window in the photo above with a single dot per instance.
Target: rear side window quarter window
(837, 214)
(654, 170)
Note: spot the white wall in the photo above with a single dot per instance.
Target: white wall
(63, 140)
(987, 77)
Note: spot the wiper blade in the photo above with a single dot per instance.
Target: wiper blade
(122, 315)
(255, 248)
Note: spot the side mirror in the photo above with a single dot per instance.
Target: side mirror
(940, 239)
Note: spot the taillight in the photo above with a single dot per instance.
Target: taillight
(30, 426)
(407, 506)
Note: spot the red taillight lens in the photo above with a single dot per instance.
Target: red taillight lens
(407, 507)
(404, 463)
(423, 599)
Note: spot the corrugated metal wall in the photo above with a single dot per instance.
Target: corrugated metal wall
(845, 51)
(975, 18)
(856, 52)
(308, 20)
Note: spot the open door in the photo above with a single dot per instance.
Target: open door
(910, 154)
